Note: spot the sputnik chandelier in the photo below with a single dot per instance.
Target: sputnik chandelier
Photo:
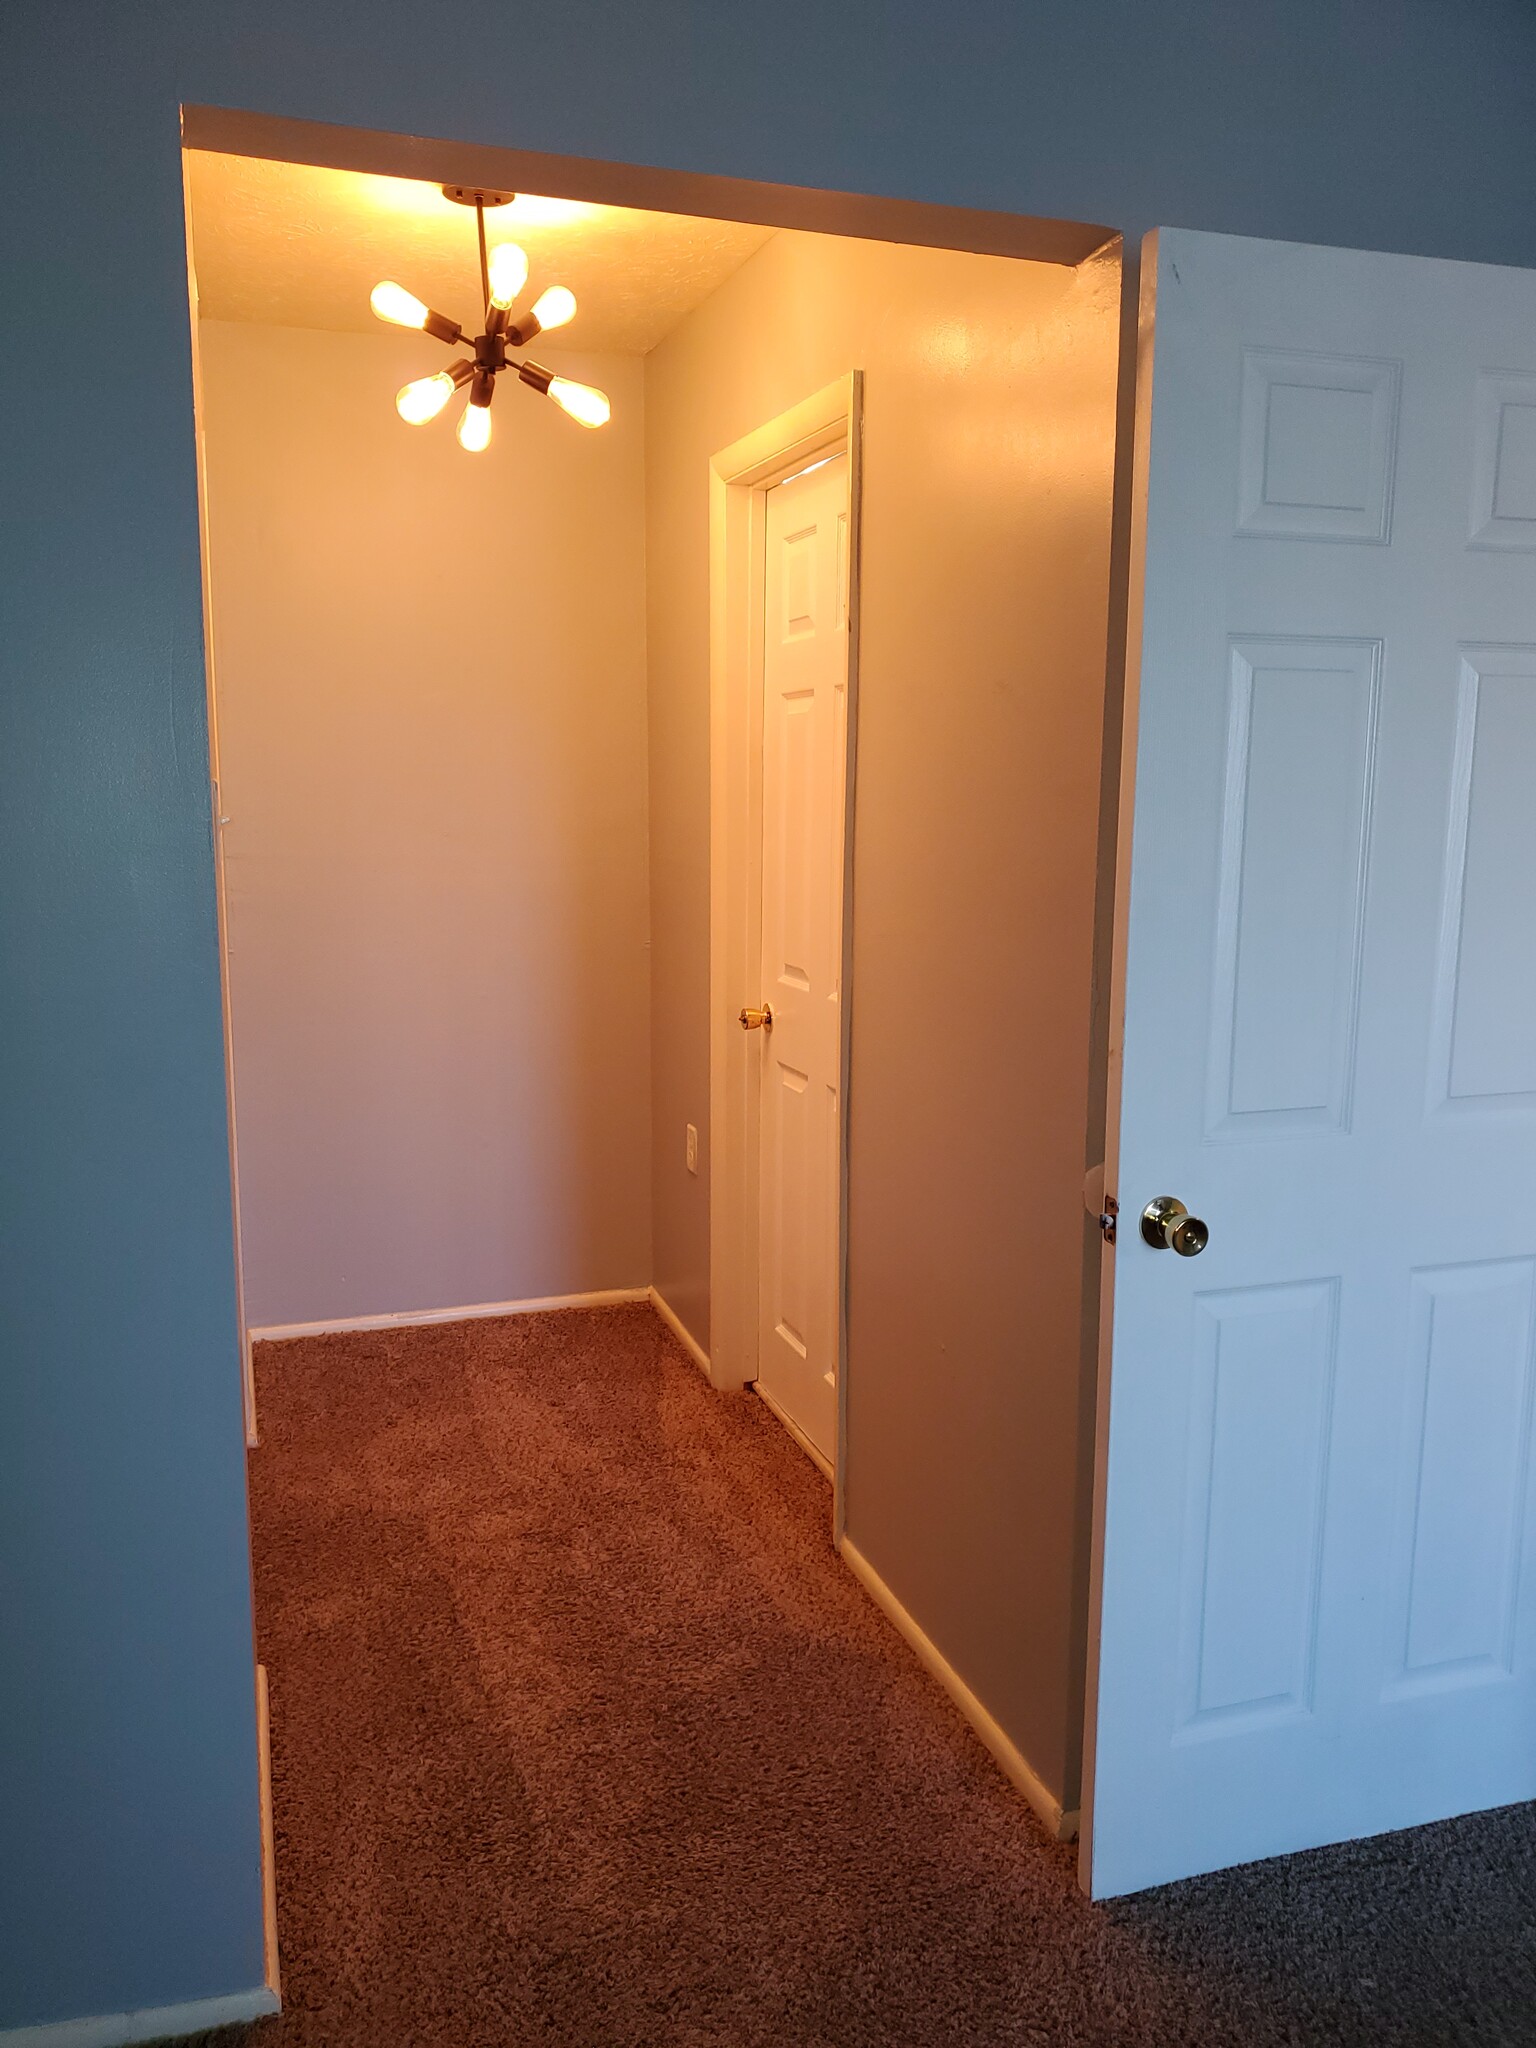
(503, 273)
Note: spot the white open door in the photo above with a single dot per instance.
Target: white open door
(1316, 1596)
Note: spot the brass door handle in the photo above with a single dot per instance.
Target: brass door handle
(1168, 1226)
(757, 1020)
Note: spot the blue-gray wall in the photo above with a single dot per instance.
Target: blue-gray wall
(130, 1866)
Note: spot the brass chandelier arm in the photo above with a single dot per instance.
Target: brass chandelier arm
(485, 261)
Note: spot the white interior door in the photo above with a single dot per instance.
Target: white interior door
(805, 724)
(1317, 1593)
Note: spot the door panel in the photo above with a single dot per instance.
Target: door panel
(1316, 1584)
(1485, 978)
(1260, 1409)
(1301, 743)
(1469, 1397)
(805, 679)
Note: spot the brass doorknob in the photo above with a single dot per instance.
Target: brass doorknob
(757, 1020)
(1168, 1227)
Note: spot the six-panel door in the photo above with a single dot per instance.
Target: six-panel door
(805, 705)
(1318, 1595)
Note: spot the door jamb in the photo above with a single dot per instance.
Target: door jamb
(739, 479)
(1133, 440)
(220, 866)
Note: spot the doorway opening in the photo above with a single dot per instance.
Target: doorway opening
(511, 835)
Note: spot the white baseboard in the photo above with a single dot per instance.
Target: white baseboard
(154, 2023)
(248, 1383)
(690, 1343)
(1015, 1765)
(402, 1319)
(268, 1846)
(822, 1464)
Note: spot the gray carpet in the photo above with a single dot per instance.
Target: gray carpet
(584, 1736)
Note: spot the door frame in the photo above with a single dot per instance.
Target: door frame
(220, 865)
(1134, 450)
(921, 224)
(740, 477)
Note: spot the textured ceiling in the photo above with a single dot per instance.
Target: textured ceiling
(295, 246)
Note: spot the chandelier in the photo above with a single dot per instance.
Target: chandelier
(503, 274)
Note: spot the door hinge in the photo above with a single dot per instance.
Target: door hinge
(1107, 1219)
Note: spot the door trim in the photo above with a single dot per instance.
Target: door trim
(1135, 588)
(739, 479)
(220, 868)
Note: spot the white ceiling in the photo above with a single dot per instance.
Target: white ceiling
(291, 245)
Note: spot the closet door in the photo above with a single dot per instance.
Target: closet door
(805, 727)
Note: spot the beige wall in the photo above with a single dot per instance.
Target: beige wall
(431, 692)
(988, 450)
